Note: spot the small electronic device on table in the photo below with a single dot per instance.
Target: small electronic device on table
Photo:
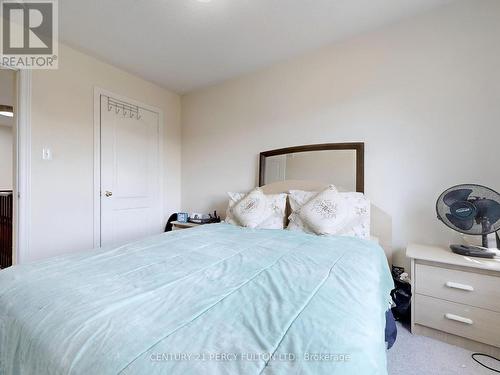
(185, 221)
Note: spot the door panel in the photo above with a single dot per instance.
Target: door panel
(130, 194)
(131, 224)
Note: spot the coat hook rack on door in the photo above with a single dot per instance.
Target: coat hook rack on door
(128, 110)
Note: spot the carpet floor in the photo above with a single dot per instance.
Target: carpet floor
(419, 355)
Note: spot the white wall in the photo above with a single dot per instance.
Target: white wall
(6, 143)
(62, 119)
(423, 94)
(7, 88)
(7, 97)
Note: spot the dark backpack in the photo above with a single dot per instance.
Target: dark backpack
(401, 296)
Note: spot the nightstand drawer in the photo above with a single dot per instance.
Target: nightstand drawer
(468, 288)
(466, 321)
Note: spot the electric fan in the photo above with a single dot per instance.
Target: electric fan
(471, 209)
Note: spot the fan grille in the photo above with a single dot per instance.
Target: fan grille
(477, 201)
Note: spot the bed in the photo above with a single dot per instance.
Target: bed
(216, 299)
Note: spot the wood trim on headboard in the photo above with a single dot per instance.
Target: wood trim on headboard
(359, 147)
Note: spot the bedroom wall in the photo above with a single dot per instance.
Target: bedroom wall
(7, 97)
(6, 143)
(330, 166)
(62, 119)
(422, 94)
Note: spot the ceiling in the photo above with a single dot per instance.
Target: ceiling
(184, 45)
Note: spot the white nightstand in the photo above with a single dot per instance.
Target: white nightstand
(456, 298)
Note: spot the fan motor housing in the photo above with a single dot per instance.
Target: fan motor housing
(463, 210)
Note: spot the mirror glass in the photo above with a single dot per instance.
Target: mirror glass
(336, 167)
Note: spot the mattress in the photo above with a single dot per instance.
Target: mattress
(217, 299)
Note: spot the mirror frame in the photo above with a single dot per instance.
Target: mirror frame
(359, 147)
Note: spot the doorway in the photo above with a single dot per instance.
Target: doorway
(128, 169)
(8, 89)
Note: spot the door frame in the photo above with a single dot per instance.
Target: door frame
(22, 188)
(21, 224)
(98, 91)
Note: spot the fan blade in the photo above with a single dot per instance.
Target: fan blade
(489, 209)
(460, 224)
(456, 195)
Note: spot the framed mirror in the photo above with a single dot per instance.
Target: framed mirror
(341, 164)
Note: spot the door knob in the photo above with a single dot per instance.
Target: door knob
(108, 193)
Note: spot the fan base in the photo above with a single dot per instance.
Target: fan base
(473, 251)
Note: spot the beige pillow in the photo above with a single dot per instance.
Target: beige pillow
(273, 217)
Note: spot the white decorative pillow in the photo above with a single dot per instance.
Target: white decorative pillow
(324, 213)
(330, 212)
(252, 209)
(358, 218)
(298, 198)
(274, 215)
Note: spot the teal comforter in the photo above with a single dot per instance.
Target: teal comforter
(217, 299)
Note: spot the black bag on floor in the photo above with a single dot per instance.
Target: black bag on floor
(401, 296)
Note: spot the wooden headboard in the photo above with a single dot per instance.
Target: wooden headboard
(381, 222)
(355, 148)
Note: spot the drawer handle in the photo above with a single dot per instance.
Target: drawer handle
(458, 318)
(451, 284)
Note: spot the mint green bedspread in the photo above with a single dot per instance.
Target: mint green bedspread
(217, 299)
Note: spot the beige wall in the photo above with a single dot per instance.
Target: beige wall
(334, 167)
(62, 119)
(422, 94)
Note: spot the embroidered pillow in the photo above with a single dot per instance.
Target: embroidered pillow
(348, 214)
(297, 198)
(358, 221)
(325, 213)
(273, 218)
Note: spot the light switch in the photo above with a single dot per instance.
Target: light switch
(46, 153)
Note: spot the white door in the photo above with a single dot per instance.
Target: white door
(130, 174)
